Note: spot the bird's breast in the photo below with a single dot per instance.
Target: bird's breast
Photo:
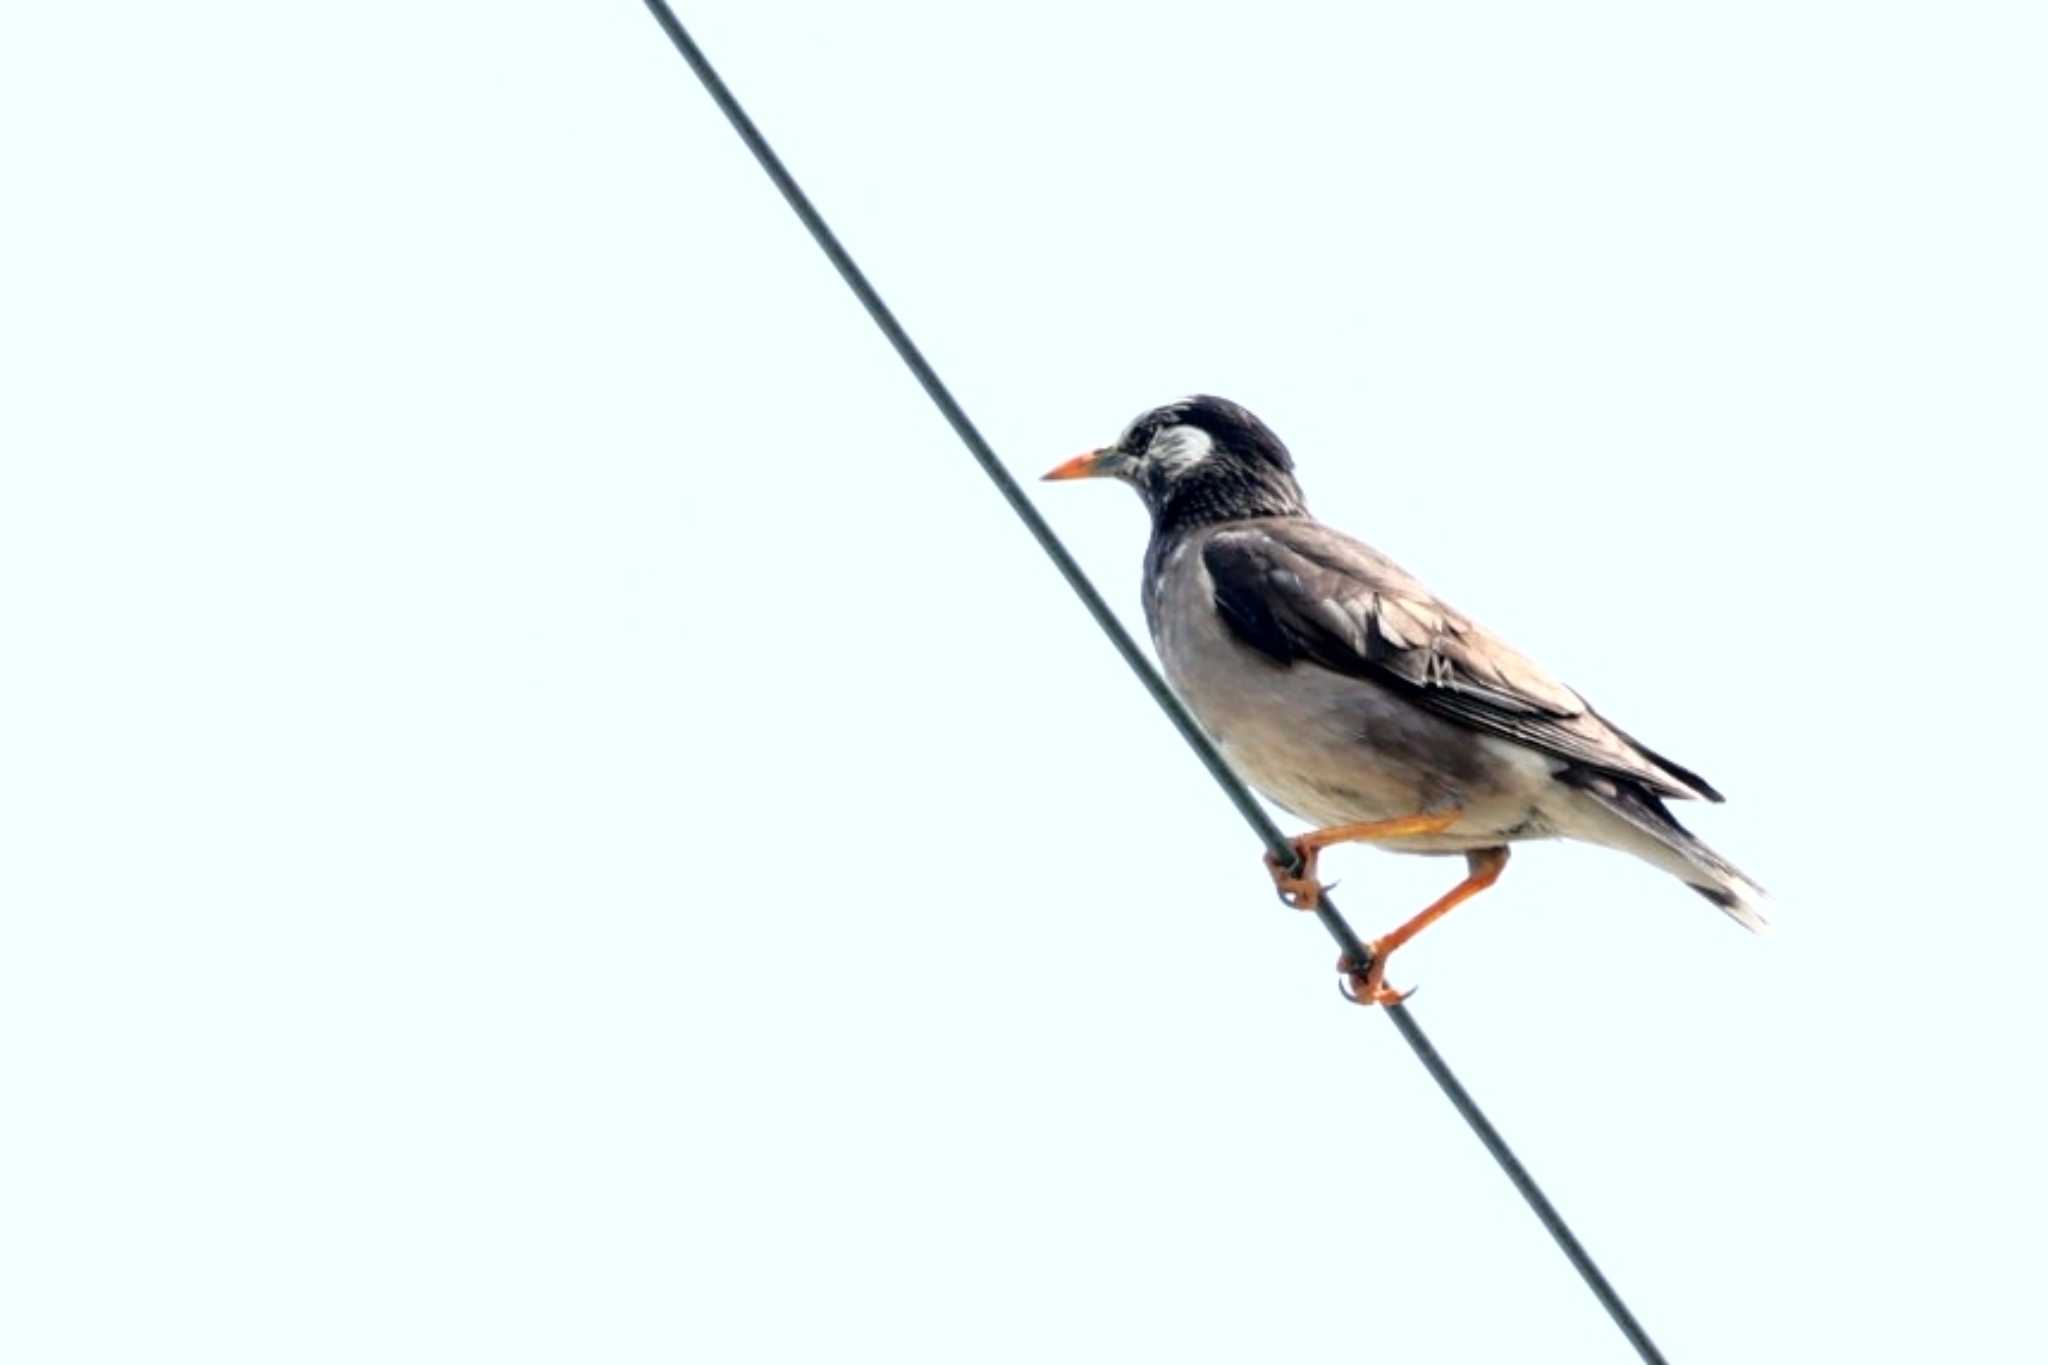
(1328, 747)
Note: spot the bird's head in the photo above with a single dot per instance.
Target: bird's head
(1197, 461)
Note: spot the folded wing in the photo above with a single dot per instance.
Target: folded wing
(1298, 592)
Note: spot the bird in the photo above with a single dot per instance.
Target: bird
(1336, 684)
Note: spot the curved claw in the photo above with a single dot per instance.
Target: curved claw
(1367, 985)
(1380, 995)
(1301, 895)
(1298, 889)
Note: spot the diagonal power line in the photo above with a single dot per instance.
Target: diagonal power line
(1240, 796)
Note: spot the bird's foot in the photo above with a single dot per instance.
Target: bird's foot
(1367, 985)
(1298, 888)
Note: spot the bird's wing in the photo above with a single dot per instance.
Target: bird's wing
(1297, 591)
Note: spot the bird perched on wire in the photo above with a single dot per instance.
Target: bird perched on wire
(1339, 686)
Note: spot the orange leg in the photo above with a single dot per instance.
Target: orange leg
(1368, 983)
(1300, 888)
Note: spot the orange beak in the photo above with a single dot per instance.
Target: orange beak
(1087, 465)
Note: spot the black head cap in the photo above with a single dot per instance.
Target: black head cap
(1203, 460)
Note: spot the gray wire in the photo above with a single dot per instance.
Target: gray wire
(1354, 949)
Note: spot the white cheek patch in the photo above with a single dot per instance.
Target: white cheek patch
(1176, 450)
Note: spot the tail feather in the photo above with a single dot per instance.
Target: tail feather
(1651, 832)
(1742, 900)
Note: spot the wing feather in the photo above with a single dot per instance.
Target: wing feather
(1297, 592)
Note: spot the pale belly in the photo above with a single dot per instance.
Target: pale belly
(1334, 749)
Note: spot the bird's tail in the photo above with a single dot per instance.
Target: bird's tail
(1641, 825)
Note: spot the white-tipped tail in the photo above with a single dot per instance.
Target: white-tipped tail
(1741, 898)
(1635, 821)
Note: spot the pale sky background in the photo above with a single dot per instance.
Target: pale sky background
(548, 813)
